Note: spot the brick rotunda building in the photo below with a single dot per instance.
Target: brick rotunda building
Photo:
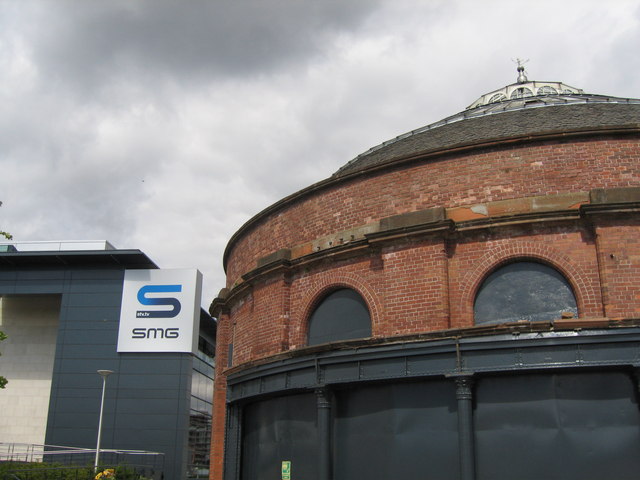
(460, 302)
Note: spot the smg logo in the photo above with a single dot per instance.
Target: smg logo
(174, 303)
(170, 301)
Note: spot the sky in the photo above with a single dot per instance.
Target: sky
(165, 125)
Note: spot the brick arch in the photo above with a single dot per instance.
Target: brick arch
(320, 288)
(510, 252)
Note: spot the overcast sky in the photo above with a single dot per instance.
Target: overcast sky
(165, 126)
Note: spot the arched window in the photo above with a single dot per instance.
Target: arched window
(342, 315)
(523, 291)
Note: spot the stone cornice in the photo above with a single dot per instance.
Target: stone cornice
(437, 222)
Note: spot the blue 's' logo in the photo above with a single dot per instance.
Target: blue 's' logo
(170, 301)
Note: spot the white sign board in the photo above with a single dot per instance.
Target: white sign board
(160, 311)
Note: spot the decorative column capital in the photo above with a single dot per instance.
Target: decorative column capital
(323, 397)
(464, 385)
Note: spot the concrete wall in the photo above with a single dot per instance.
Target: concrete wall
(31, 324)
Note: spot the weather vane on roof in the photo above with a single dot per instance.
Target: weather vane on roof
(522, 78)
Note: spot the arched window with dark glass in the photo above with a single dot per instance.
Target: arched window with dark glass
(341, 315)
(524, 291)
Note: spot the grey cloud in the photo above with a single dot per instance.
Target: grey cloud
(95, 41)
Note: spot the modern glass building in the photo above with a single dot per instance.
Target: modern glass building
(61, 306)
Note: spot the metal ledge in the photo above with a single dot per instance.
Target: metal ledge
(505, 352)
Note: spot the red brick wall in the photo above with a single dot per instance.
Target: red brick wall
(619, 245)
(219, 399)
(260, 326)
(491, 175)
(417, 287)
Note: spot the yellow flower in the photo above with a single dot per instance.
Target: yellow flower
(108, 473)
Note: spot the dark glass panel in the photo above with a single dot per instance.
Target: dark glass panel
(524, 291)
(342, 315)
(578, 425)
(406, 430)
(277, 430)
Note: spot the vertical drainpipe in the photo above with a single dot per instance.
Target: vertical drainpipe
(464, 395)
(324, 433)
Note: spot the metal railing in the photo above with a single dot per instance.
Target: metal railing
(63, 462)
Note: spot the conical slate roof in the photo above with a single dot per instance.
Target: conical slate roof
(523, 109)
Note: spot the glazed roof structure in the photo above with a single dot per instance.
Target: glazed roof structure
(522, 109)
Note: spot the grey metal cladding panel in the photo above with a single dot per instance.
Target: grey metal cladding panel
(547, 356)
(611, 353)
(8, 276)
(92, 299)
(143, 366)
(38, 286)
(151, 381)
(64, 394)
(104, 335)
(71, 366)
(343, 372)
(116, 274)
(142, 420)
(92, 327)
(568, 354)
(77, 419)
(7, 287)
(148, 406)
(185, 360)
(85, 403)
(92, 313)
(144, 393)
(431, 364)
(96, 286)
(160, 439)
(302, 378)
(252, 387)
(87, 380)
(73, 436)
(272, 383)
(95, 349)
(32, 281)
(489, 359)
(484, 354)
(58, 274)
(383, 368)
(281, 367)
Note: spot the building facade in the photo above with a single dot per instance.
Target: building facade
(60, 305)
(460, 302)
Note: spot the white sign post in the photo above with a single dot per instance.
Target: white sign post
(160, 311)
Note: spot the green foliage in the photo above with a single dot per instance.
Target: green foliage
(55, 471)
(3, 381)
(8, 236)
(42, 471)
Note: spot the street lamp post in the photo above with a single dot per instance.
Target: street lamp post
(104, 374)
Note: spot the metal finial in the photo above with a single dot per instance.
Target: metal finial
(522, 78)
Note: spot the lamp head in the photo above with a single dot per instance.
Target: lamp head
(105, 373)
